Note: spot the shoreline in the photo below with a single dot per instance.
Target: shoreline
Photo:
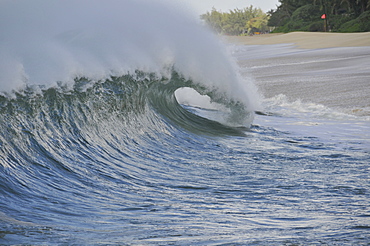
(305, 40)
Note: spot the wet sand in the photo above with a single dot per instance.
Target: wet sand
(306, 40)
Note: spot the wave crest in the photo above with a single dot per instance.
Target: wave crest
(130, 108)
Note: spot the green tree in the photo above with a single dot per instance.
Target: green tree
(237, 21)
(342, 15)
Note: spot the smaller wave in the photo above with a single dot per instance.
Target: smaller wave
(281, 104)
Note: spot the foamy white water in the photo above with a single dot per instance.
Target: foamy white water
(43, 42)
(319, 93)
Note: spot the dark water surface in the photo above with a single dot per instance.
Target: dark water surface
(99, 147)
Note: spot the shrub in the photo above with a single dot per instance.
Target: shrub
(364, 19)
(336, 21)
(317, 26)
(306, 13)
(360, 24)
(302, 20)
(350, 26)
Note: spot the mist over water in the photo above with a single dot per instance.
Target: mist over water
(45, 42)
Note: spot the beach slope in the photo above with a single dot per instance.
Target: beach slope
(306, 40)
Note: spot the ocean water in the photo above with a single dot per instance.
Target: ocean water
(116, 132)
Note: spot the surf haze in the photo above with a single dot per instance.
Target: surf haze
(48, 42)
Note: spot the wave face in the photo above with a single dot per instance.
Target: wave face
(89, 119)
(80, 163)
(126, 109)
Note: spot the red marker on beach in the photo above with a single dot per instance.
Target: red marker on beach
(325, 22)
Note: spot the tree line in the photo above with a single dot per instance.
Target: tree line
(293, 15)
(305, 15)
(237, 22)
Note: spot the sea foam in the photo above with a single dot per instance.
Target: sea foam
(48, 42)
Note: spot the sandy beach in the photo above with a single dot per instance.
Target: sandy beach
(306, 40)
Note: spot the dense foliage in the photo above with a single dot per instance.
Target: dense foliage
(305, 15)
(237, 21)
